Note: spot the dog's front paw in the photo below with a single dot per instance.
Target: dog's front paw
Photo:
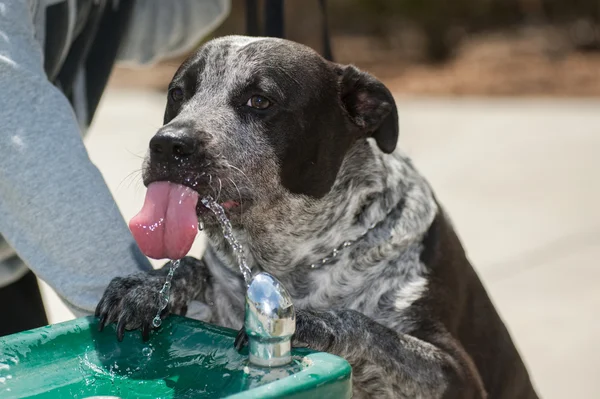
(314, 330)
(241, 340)
(132, 302)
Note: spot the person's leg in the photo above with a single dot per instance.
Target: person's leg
(327, 52)
(274, 18)
(274, 21)
(252, 28)
(21, 306)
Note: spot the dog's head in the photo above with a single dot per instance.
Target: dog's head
(252, 119)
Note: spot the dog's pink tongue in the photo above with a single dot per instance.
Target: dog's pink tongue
(167, 224)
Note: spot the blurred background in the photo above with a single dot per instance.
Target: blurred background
(499, 104)
(440, 47)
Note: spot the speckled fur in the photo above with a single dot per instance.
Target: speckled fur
(362, 305)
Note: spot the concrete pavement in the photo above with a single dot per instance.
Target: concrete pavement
(519, 178)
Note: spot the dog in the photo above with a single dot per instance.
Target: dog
(302, 154)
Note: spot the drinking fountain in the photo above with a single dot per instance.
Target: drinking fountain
(270, 322)
(184, 358)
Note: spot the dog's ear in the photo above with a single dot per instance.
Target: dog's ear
(370, 106)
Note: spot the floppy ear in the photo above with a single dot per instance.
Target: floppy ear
(371, 107)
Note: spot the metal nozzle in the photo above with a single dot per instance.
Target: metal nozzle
(270, 321)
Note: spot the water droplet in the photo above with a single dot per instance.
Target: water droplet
(147, 352)
(165, 293)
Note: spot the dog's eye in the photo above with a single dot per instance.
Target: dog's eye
(176, 94)
(258, 102)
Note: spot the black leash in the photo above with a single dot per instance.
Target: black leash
(274, 17)
(252, 28)
(327, 52)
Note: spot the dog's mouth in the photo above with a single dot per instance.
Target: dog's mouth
(167, 225)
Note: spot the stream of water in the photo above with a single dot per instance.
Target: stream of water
(238, 250)
(165, 293)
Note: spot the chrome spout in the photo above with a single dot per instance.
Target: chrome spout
(270, 322)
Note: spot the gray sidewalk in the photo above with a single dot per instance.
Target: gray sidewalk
(521, 181)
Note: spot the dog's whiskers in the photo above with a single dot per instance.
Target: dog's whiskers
(239, 195)
(220, 188)
(135, 155)
(130, 178)
(211, 186)
(241, 172)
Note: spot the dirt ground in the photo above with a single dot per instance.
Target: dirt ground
(492, 65)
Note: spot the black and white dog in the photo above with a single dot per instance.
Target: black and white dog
(302, 153)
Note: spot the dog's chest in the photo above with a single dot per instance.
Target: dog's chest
(384, 291)
(380, 281)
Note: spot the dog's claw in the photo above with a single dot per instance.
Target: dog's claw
(241, 340)
(101, 322)
(121, 329)
(145, 332)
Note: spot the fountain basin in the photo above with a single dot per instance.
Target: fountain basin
(185, 358)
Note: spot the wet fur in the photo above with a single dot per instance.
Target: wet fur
(403, 305)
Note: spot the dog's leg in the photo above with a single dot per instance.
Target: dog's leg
(388, 364)
(132, 301)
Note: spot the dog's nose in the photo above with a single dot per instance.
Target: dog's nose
(172, 143)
